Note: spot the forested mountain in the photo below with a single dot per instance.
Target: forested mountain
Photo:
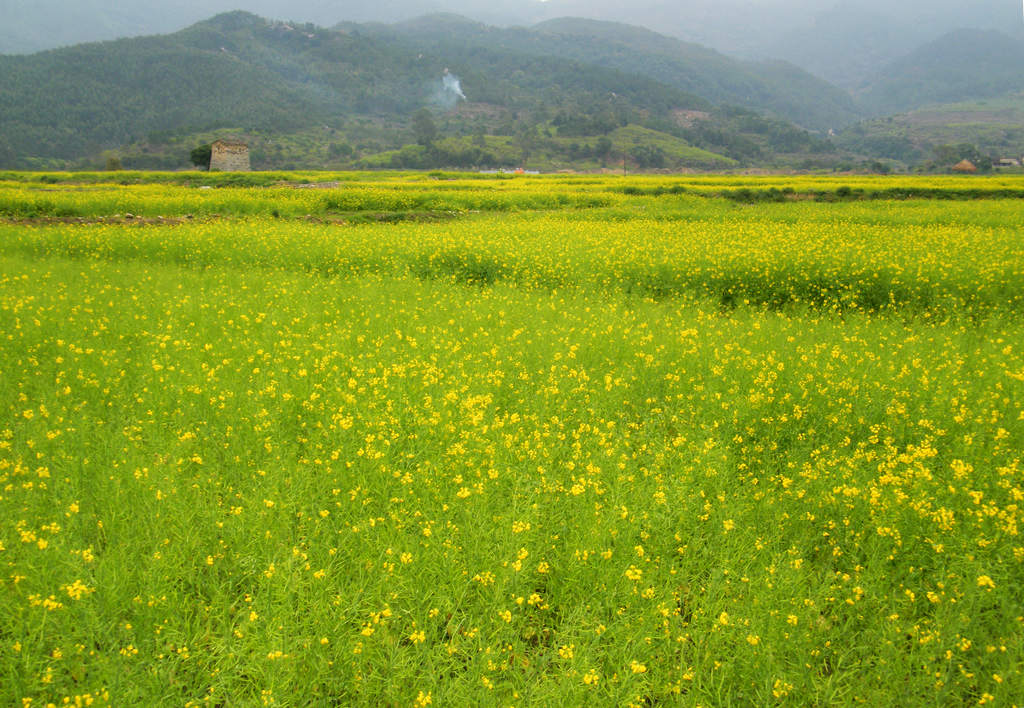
(553, 90)
(967, 64)
(240, 70)
(773, 87)
(245, 73)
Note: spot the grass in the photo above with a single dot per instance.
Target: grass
(676, 151)
(523, 457)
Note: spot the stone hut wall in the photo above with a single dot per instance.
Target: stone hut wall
(229, 157)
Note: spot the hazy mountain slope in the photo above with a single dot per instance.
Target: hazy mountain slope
(852, 41)
(71, 102)
(735, 26)
(238, 70)
(845, 45)
(961, 65)
(775, 87)
(843, 41)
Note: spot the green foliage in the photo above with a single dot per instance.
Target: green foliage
(745, 136)
(577, 125)
(994, 125)
(7, 156)
(648, 156)
(341, 150)
(653, 149)
(946, 156)
(201, 156)
(533, 148)
(885, 146)
(423, 128)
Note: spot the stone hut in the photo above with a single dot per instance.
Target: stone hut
(229, 155)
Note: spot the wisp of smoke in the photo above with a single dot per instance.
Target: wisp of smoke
(447, 95)
(453, 85)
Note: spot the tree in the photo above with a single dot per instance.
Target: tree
(948, 155)
(342, 149)
(200, 156)
(526, 139)
(6, 154)
(648, 156)
(423, 128)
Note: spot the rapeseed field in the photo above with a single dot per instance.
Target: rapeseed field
(452, 440)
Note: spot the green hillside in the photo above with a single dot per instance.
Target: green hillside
(630, 147)
(241, 71)
(777, 88)
(68, 103)
(309, 97)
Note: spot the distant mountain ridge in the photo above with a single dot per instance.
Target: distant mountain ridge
(844, 41)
